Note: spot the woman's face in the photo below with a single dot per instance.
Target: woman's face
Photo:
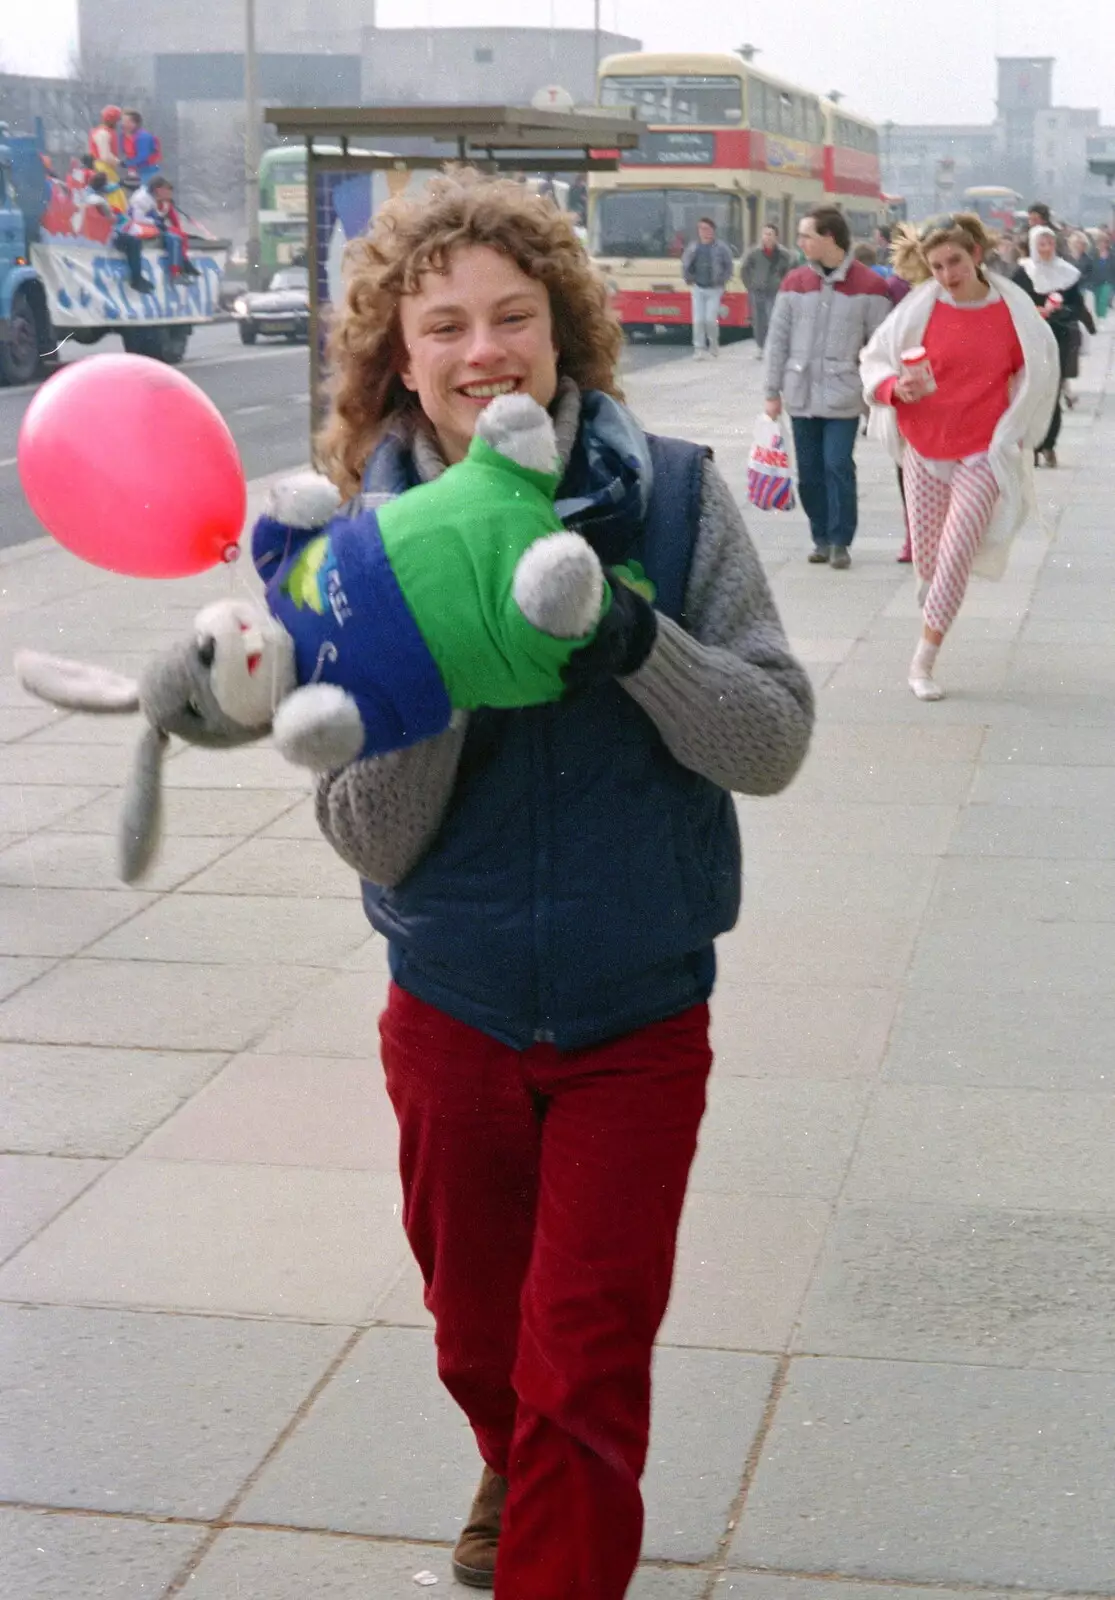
(1047, 247)
(480, 329)
(954, 267)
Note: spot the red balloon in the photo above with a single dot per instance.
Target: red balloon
(130, 466)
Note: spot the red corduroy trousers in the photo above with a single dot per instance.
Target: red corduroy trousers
(542, 1194)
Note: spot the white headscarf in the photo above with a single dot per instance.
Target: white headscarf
(1048, 276)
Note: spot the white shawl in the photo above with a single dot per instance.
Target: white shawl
(1020, 429)
(1052, 276)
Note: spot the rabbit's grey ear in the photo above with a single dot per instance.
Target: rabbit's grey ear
(75, 685)
(141, 822)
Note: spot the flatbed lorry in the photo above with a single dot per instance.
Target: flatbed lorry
(62, 277)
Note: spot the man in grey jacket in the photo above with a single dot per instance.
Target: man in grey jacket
(825, 313)
(764, 268)
(706, 267)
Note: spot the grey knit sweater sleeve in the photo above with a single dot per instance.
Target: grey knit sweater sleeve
(381, 815)
(724, 692)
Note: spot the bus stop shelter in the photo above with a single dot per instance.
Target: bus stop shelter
(351, 167)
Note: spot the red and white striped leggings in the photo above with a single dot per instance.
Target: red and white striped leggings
(947, 521)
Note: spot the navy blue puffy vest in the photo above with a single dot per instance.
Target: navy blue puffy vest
(580, 874)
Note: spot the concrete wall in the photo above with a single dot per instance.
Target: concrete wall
(285, 78)
(143, 29)
(480, 66)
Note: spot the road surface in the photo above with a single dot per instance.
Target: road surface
(263, 393)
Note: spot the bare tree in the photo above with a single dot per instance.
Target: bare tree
(211, 167)
(97, 81)
(211, 173)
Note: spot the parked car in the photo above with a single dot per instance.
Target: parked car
(283, 308)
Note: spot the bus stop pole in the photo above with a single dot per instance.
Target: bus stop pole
(251, 142)
(317, 333)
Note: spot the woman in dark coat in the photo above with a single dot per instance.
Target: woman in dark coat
(1044, 273)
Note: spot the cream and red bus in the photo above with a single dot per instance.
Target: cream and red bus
(853, 175)
(725, 141)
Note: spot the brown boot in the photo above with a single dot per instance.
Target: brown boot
(474, 1559)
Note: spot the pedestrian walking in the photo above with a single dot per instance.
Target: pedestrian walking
(961, 380)
(1080, 254)
(897, 288)
(1053, 284)
(825, 313)
(550, 881)
(763, 270)
(1038, 215)
(1103, 274)
(706, 266)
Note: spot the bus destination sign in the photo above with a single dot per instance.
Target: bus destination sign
(675, 148)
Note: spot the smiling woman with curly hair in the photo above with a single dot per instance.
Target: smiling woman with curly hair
(550, 881)
(414, 236)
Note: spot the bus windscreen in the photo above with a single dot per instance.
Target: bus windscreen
(658, 223)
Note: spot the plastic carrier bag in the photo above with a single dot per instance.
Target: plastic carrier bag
(770, 484)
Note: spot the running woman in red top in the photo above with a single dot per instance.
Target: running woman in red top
(966, 372)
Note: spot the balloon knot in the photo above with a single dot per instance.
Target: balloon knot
(230, 553)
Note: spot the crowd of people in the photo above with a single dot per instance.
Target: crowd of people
(120, 174)
(960, 346)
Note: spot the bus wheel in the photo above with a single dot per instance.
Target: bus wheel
(19, 352)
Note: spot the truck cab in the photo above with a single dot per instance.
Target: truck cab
(24, 318)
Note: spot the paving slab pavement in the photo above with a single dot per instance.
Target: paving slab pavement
(888, 1365)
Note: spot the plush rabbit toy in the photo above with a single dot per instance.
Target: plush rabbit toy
(462, 592)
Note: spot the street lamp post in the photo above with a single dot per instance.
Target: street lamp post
(595, 45)
(251, 141)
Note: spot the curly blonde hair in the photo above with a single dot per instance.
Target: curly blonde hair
(412, 236)
(910, 250)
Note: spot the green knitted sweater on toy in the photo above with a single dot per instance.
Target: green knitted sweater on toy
(453, 546)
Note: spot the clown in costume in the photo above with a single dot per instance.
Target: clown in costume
(463, 592)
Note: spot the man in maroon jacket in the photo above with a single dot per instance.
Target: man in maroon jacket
(825, 313)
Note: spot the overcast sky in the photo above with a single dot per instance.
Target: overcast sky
(932, 63)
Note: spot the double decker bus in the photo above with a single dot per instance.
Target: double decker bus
(283, 218)
(283, 215)
(853, 176)
(725, 141)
